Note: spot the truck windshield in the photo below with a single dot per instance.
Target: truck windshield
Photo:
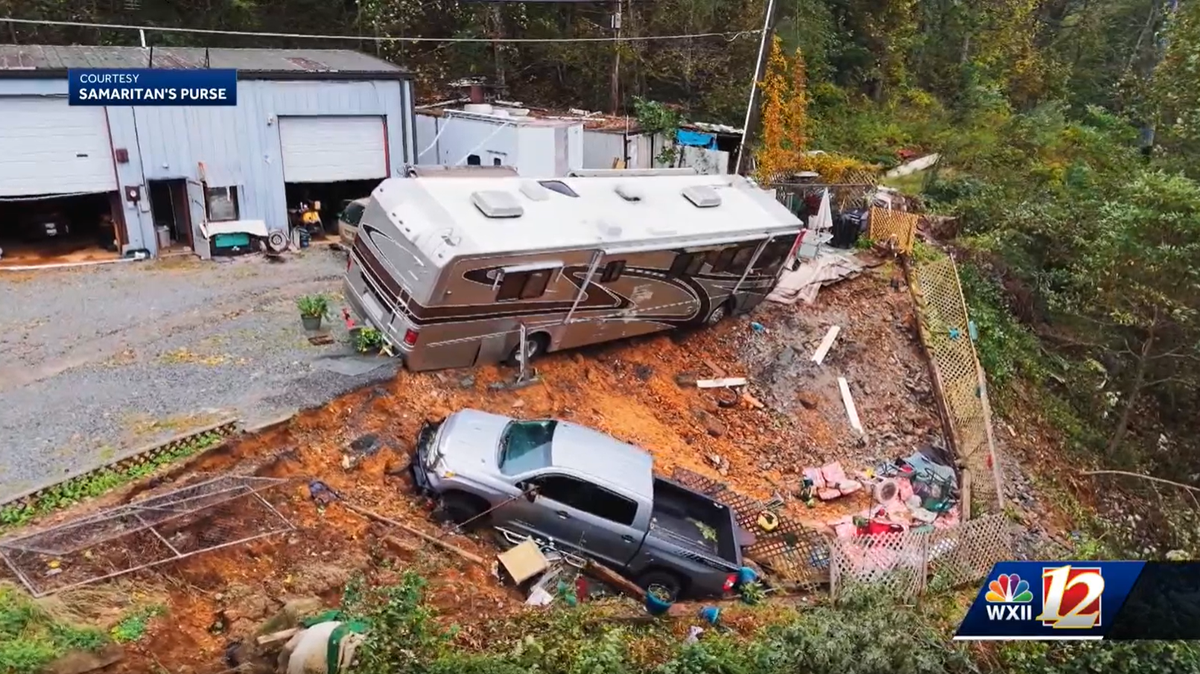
(525, 446)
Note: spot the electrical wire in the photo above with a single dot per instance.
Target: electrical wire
(729, 36)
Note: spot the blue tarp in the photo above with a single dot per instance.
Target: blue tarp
(696, 139)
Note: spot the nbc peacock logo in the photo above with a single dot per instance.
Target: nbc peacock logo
(1008, 598)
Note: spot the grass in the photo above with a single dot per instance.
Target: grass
(32, 636)
(132, 626)
(96, 483)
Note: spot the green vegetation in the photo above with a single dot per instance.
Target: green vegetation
(313, 306)
(30, 636)
(102, 481)
(367, 340)
(864, 636)
(132, 626)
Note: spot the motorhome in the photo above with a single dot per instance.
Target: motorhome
(460, 271)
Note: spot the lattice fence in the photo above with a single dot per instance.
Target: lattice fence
(946, 333)
(893, 227)
(899, 564)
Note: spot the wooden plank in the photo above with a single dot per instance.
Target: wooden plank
(717, 370)
(469, 556)
(276, 637)
(606, 575)
(719, 383)
(827, 343)
(851, 410)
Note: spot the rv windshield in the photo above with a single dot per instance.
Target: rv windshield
(525, 446)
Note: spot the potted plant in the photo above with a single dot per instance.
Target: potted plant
(313, 308)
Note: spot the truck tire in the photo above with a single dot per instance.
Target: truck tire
(671, 583)
(459, 507)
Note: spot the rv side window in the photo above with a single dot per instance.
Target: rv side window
(721, 259)
(612, 271)
(524, 285)
(473, 160)
(686, 264)
(773, 256)
(741, 258)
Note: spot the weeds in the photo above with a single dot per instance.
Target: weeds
(96, 483)
(313, 306)
(30, 637)
(132, 627)
(367, 340)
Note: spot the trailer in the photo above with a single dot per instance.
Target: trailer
(461, 271)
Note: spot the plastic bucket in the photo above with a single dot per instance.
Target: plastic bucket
(656, 606)
(164, 236)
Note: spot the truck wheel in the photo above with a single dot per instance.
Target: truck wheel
(670, 583)
(459, 508)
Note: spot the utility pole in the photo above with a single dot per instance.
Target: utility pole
(767, 29)
(615, 92)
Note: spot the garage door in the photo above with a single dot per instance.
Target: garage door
(53, 148)
(328, 149)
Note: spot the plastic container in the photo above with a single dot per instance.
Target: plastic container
(164, 236)
(656, 606)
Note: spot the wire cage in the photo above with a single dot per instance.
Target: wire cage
(209, 515)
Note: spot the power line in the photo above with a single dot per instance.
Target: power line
(730, 36)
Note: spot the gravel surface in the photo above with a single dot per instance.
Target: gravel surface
(99, 361)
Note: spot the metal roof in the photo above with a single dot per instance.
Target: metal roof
(36, 60)
(437, 214)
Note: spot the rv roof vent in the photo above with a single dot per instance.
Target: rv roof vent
(702, 196)
(534, 191)
(497, 204)
(629, 192)
(607, 229)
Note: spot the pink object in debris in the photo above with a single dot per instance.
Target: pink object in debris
(904, 489)
(844, 530)
(833, 473)
(828, 494)
(814, 476)
(836, 478)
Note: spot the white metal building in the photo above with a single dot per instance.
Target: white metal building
(307, 122)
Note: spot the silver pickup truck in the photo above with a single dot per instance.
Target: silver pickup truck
(585, 492)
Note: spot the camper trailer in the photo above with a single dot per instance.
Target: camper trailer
(454, 271)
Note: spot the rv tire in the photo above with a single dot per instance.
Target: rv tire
(718, 314)
(535, 347)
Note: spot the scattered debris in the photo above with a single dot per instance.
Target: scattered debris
(826, 343)
(803, 283)
(851, 411)
(523, 561)
(469, 556)
(320, 339)
(718, 383)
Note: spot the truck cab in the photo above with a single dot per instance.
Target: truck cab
(581, 491)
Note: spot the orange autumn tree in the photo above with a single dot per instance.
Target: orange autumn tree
(784, 114)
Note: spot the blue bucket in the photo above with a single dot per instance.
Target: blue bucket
(656, 606)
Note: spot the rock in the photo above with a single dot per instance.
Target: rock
(517, 404)
(715, 428)
(643, 372)
(365, 445)
(808, 400)
(686, 379)
(78, 662)
(467, 381)
(253, 607)
(715, 460)
(290, 615)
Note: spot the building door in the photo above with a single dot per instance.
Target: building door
(323, 149)
(53, 148)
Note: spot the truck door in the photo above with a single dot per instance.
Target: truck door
(584, 517)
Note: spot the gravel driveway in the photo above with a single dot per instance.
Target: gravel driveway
(98, 361)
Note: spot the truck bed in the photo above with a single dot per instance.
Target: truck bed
(693, 521)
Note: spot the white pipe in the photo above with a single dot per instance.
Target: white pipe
(762, 47)
(64, 265)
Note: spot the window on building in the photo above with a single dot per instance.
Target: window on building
(558, 186)
(686, 264)
(495, 161)
(587, 497)
(221, 203)
(612, 271)
(473, 160)
(524, 285)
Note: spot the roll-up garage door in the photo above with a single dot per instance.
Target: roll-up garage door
(329, 149)
(49, 147)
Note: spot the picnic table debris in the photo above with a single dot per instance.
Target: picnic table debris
(818, 356)
(721, 383)
(851, 410)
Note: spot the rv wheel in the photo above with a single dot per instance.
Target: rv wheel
(717, 315)
(535, 346)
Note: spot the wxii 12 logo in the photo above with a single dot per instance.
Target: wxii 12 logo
(1071, 598)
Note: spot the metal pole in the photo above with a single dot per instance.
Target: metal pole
(762, 47)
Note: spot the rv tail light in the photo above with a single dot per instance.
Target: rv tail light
(730, 581)
(410, 338)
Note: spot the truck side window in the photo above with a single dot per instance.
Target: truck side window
(587, 497)
(524, 285)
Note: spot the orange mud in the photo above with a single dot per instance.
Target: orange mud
(627, 389)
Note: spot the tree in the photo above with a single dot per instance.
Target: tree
(772, 155)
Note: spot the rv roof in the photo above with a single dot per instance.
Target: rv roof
(434, 211)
